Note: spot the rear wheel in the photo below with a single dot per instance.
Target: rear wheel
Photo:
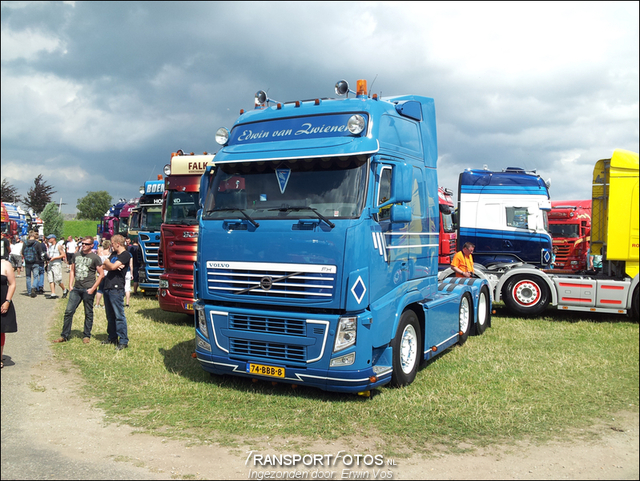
(526, 295)
(465, 317)
(484, 310)
(406, 349)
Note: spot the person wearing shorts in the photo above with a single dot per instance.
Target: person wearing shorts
(55, 254)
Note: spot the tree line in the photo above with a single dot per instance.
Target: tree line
(39, 197)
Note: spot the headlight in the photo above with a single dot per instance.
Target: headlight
(167, 169)
(222, 136)
(346, 335)
(355, 124)
(164, 284)
(202, 320)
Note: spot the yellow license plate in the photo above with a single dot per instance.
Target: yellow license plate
(188, 307)
(262, 370)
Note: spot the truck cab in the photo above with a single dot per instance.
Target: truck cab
(570, 227)
(179, 230)
(317, 254)
(448, 235)
(504, 214)
(149, 220)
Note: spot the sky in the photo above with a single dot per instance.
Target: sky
(96, 95)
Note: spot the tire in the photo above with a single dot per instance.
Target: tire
(465, 317)
(526, 295)
(484, 311)
(406, 350)
(634, 304)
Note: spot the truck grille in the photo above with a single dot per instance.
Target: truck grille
(291, 327)
(271, 350)
(310, 282)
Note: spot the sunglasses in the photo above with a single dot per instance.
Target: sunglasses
(87, 243)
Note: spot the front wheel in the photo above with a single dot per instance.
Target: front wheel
(635, 301)
(526, 295)
(406, 350)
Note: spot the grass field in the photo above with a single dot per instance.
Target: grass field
(80, 228)
(524, 378)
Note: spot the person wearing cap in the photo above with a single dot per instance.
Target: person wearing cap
(55, 254)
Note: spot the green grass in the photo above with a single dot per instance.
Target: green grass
(524, 378)
(80, 228)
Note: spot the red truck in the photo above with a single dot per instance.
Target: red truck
(570, 227)
(448, 234)
(179, 230)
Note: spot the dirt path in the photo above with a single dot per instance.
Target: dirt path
(49, 431)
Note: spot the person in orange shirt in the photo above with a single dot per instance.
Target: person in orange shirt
(462, 262)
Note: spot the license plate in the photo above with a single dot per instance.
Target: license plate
(188, 307)
(263, 370)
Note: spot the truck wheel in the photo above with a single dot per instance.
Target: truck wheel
(484, 310)
(465, 318)
(526, 295)
(634, 304)
(406, 350)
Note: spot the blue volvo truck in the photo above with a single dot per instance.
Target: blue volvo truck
(150, 219)
(317, 255)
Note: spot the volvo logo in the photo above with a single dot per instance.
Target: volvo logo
(266, 283)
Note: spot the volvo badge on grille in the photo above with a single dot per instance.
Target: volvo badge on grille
(266, 283)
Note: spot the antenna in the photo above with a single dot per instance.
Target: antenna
(374, 81)
(151, 173)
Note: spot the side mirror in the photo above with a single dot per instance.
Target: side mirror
(400, 213)
(402, 183)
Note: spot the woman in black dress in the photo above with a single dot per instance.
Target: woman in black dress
(9, 323)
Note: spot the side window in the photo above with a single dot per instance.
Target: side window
(518, 217)
(384, 193)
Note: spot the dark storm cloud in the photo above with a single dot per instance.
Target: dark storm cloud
(97, 94)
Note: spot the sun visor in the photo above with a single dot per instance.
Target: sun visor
(275, 150)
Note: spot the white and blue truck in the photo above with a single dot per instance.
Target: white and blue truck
(505, 215)
(317, 256)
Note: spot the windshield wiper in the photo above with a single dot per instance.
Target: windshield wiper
(247, 216)
(286, 208)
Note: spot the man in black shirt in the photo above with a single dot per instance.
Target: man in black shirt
(116, 267)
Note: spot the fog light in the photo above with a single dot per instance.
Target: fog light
(346, 360)
(202, 344)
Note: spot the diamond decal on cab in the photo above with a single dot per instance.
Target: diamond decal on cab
(359, 289)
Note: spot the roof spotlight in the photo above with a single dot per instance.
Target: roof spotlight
(342, 88)
(261, 99)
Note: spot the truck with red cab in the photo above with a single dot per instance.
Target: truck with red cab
(448, 234)
(179, 230)
(570, 227)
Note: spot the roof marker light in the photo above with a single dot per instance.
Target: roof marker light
(317, 102)
(297, 103)
(222, 136)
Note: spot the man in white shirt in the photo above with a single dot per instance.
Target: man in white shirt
(55, 254)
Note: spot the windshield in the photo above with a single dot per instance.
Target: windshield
(182, 207)
(134, 220)
(150, 218)
(296, 189)
(564, 230)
